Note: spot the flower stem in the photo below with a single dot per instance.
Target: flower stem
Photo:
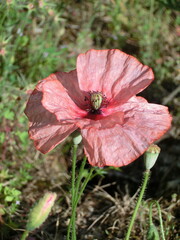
(160, 217)
(150, 214)
(73, 171)
(160, 220)
(84, 185)
(80, 175)
(77, 190)
(143, 188)
(73, 192)
(73, 216)
(25, 235)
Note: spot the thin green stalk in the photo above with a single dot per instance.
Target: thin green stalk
(143, 188)
(76, 193)
(25, 235)
(72, 221)
(73, 191)
(84, 185)
(150, 214)
(160, 220)
(80, 176)
(73, 172)
(69, 229)
(73, 217)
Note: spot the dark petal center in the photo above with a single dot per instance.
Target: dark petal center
(95, 102)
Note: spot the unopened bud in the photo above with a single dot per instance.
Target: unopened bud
(152, 233)
(77, 139)
(40, 211)
(151, 156)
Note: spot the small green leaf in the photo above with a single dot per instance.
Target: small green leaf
(24, 41)
(23, 136)
(8, 198)
(2, 137)
(15, 192)
(8, 114)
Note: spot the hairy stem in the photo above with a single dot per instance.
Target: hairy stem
(77, 189)
(72, 224)
(143, 188)
(160, 220)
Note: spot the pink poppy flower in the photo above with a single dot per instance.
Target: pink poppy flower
(99, 98)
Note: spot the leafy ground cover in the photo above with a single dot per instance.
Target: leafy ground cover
(41, 37)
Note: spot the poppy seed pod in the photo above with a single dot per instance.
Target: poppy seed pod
(151, 156)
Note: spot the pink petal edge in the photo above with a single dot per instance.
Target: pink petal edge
(114, 73)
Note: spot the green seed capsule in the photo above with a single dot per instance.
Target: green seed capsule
(96, 100)
(151, 156)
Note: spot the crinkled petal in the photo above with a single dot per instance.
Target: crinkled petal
(128, 106)
(51, 114)
(70, 83)
(48, 137)
(121, 144)
(116, 74)
(45, 129)
(51, 95)
(103, 122)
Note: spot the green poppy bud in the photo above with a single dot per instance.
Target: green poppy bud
(40, 211)
(151, 156)
(77, 138)
(152, 233)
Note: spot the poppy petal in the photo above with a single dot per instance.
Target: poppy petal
(48, 137)
(114, 73)
(50, 95)
(123, 143)
(45, 129)
(108, 121)
(130, 104)
(70, 83)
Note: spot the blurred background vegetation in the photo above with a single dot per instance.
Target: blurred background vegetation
(41, 37)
